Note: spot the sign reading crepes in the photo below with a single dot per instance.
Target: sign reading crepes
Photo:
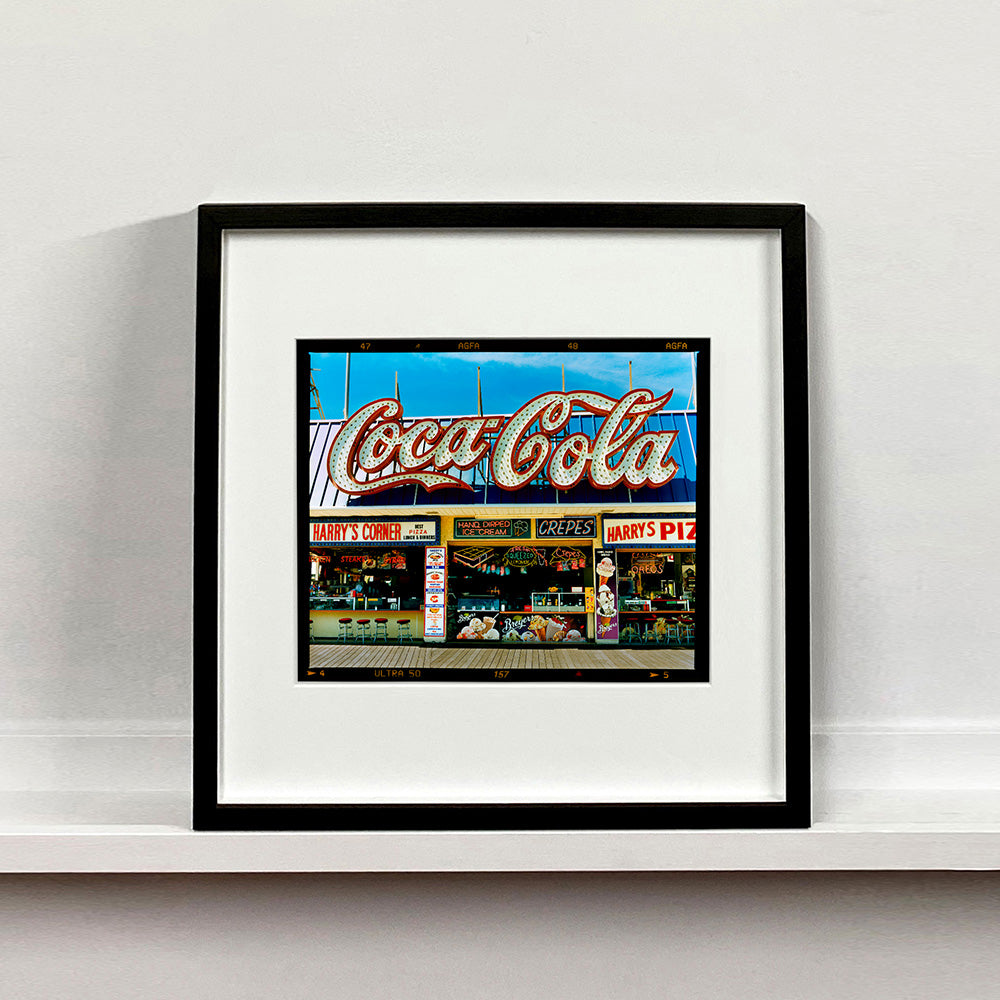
(365, 531)
(649, 532)
(566, 527)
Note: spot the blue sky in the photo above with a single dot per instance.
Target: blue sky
(445, 384)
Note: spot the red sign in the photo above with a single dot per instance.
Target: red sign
(349, 531)
(650, 531)
(373, 441)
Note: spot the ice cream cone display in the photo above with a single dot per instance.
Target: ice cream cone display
(605, 570)
(537, 626)
(605, 604)
(606, 597)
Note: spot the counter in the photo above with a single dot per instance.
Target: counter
(326, 621)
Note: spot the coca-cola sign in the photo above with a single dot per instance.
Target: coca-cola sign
(373, 451)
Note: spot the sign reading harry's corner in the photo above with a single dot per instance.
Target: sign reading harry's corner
(459, 460)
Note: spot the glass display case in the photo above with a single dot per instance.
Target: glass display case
(560, 600)
(347, 602)
(670, 604)
(634, 604)
(478, 602)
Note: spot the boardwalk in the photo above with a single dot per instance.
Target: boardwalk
(500, 657)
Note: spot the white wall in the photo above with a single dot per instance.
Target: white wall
(880, 115)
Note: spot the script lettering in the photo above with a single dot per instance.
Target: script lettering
(373, 451)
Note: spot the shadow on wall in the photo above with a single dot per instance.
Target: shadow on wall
(99, 600)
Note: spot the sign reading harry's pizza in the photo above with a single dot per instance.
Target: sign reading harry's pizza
(373, 451)
(649, 532)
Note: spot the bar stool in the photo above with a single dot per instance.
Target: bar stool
(657, 631)
(403, 630)
(673, 632)
(686, 627)
(363, 634)
(382, 629)
(646, 624)
(310, 630)
(630, 633)
(346, 629)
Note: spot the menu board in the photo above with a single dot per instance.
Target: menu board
(605, 579)
(435, 590)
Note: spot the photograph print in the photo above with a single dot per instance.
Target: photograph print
(503, 511)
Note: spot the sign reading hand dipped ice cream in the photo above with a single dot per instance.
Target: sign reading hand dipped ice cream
(606, 596)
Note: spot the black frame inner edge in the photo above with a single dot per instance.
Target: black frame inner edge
(698, 675)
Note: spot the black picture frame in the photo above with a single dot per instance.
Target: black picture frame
(789, 222)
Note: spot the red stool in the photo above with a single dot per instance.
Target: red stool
(647, 625)
(363, 634)
(346, 629)
(685, 627)
(382, 629)
(403, 629)
(673, 632)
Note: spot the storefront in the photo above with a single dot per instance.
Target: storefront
(578, 578)
(527, 579)
(366, 573)
(535, 529)
(649, 565)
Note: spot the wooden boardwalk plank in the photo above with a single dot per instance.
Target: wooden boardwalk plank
(507, 657)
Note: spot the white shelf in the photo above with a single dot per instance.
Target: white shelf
(89, 801)
(886, 834)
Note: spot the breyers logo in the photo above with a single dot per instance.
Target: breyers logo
(373, 441)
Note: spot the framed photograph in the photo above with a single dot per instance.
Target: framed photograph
(457, 469)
